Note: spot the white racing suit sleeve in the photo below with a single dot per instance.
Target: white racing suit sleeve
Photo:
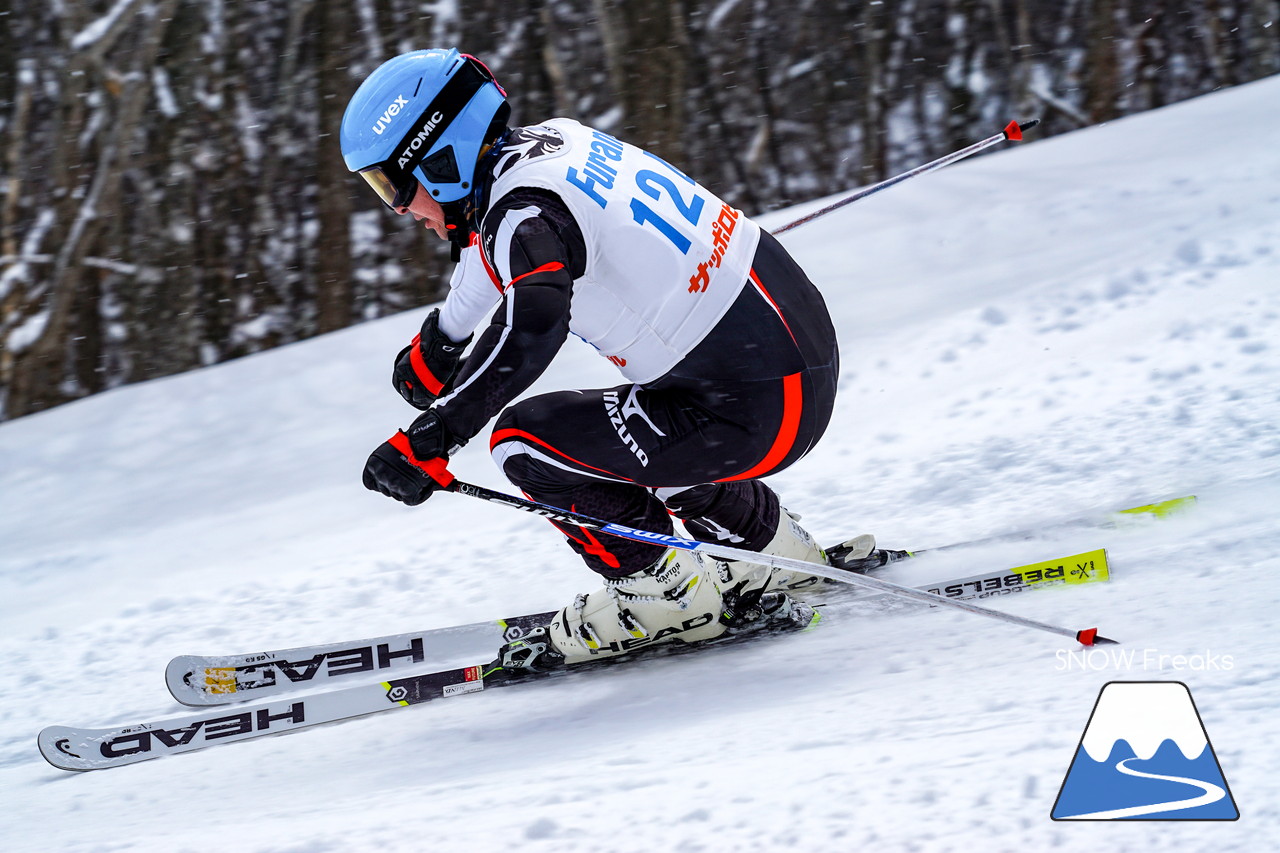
(523, 334)
(473, 294)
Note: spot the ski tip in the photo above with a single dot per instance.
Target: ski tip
(1090, 637)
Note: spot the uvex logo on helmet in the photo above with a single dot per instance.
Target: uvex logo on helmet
(417, 141)
(393, 110)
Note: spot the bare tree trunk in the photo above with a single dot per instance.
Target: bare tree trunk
(875, 154)
(961, 108)
(1102, 74)
(40, 380)
(1216, 47)
(708, 89)
(613, 42)
(1150, 56)
(1264, 37)
(645, 40)
(334, 293)
(763, 61)
(1023, 99)
(15, 163)
(553, 66)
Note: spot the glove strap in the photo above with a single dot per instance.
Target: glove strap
(420, 368)
(437, 469)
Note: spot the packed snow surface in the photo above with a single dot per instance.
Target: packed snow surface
(1066, 327)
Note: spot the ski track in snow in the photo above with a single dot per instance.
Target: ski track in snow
(1070, 326)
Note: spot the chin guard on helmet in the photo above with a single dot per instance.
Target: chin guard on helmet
(461, 218)
(457, 222)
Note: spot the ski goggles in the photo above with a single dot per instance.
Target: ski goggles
(396, 184)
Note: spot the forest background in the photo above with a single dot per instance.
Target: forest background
(172, 194)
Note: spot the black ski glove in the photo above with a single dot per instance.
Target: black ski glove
(411, 466)
(425, 369)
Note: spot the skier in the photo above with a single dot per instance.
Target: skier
(728, 352)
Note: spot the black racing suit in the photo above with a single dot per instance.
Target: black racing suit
(750, 399)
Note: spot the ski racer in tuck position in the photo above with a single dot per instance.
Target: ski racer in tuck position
(728, 352)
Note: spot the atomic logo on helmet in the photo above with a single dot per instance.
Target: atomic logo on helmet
(456, 111)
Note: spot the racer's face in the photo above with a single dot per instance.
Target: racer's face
(426, 210)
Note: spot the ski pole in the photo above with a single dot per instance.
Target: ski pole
(1012, 132)
(1087, 636)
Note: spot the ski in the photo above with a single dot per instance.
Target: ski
(1116, 518)
(1088, 567)
(215, 680)
(70, 748)
(199, 680)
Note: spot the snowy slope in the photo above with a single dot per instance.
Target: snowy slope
(1068, 326)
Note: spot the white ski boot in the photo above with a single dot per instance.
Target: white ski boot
(793, 541)
(676, 599)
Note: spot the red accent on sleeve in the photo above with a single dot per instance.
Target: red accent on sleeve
(437, 469)
(1087, 636)
(1013, 131)
(551, 266)
(420, 369)
(493, 276)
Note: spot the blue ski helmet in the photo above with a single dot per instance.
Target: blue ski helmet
(425, 115)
